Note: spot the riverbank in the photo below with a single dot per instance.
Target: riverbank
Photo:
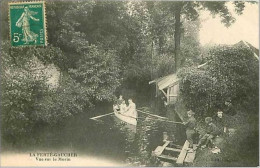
(237, 149)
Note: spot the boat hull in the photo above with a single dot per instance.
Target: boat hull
(125, 118)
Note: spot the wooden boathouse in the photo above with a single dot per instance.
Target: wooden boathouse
(169, 86)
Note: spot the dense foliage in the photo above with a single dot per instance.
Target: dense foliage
(23, 88)
(230, 74)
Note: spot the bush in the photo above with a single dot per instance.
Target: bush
(231, 74)
(21, 103)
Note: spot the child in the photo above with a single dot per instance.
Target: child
(211, 132)
(190, 129)
(221, 121)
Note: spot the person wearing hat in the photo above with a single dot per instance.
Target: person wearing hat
(229, 108)
(211, 132)
(190, 129)
(220, 121)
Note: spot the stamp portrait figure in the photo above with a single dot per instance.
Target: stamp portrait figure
(23, 21)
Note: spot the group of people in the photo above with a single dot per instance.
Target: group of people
(121, 107)
(214, 128)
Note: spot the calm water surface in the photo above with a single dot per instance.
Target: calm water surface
(109, 137)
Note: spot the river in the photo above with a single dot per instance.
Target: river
(109, 137)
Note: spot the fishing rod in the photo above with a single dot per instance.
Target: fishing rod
(161, 118)
(151, 114)
(175, 122)
(144, 108)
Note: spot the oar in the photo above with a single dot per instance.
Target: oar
(93, 118)
(152, 114)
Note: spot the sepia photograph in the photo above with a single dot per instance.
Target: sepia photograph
(129, 83)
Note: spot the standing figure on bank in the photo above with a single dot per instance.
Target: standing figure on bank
(190, 129)
(131, 109)
(211, 132)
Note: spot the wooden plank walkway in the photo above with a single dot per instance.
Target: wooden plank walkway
(166, 157)
(190, 156)
(173, 149)
(179, 156)
(183, 154)
(159, 150)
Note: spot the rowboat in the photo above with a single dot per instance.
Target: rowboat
(128, 119)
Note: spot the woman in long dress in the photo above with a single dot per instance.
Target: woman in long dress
(131, 109)
(23, 21)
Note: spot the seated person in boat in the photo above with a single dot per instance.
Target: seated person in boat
(211, 132)
(123, 107)
(131, 109)
(116, 106)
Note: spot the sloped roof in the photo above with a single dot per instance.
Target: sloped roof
(165, 81)
(251, 47)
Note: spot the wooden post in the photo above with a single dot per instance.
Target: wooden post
(168, 95)
(156, 85)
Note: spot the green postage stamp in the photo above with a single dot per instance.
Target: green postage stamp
(27, 23)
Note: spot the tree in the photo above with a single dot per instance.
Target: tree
(190, 10)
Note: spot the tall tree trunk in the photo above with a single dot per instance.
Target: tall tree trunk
(177, 36)
(160, 43)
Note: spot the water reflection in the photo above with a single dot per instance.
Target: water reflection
(110, 138)
(142, 139)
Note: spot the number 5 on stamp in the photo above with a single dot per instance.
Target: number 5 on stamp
(27, 23)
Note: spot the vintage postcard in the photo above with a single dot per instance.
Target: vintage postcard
(129, 83)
